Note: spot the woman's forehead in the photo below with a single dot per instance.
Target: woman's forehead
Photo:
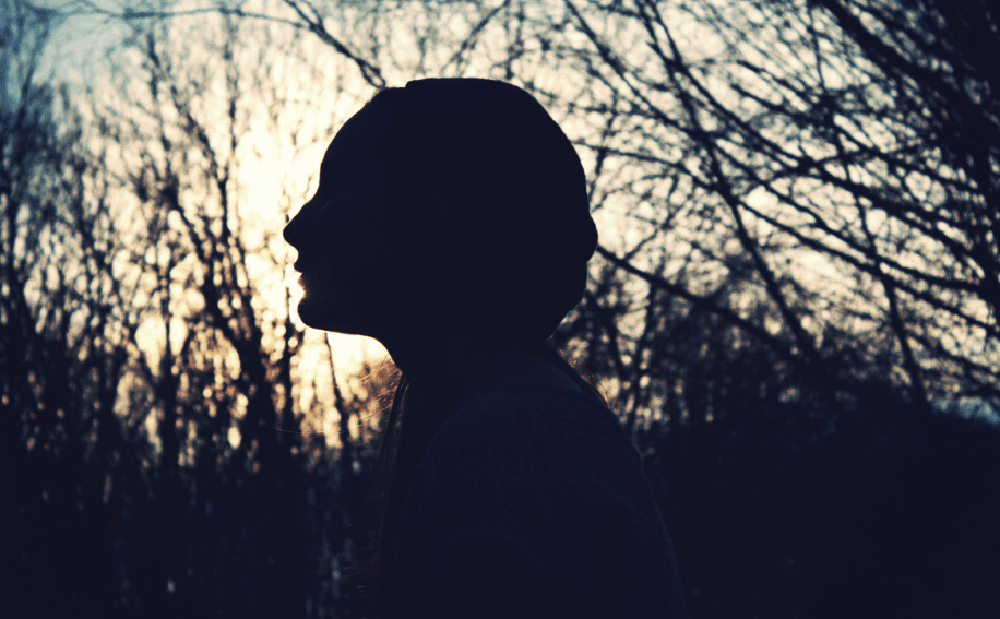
(351, 143)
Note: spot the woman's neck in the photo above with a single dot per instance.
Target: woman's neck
(445, 363)
(454, 368)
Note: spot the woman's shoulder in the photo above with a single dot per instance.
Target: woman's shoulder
(528, 407)
(545, 399)
(535, 420)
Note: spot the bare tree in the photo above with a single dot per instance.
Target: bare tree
(69, 322)
(809, 151)
(802, 180)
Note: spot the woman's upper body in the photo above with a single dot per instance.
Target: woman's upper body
(452, 224)
(531, 501)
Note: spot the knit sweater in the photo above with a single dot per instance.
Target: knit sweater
(548, 475)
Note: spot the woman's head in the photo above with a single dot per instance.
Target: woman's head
(462, 194)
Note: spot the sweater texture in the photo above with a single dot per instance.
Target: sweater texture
(548, 473)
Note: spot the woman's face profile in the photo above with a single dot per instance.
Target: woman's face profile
(340, 246)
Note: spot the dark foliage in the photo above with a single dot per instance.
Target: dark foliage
(875, 511)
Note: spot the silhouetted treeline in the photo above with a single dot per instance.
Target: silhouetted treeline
(874, 511)
(795, 317)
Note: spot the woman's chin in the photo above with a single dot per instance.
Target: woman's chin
(312, 313)
(326, 318)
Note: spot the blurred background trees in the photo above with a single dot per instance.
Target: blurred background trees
(794, 308)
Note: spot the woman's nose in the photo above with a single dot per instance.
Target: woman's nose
(293, 231)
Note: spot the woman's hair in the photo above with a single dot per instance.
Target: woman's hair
(517, 238)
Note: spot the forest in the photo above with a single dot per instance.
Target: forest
(794, 309)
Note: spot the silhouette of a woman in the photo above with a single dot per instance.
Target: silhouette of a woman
(452, 224)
